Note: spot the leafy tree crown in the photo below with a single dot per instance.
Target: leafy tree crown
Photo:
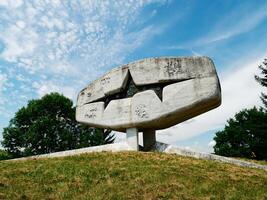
(48, 125)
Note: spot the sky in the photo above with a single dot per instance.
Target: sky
(61, 46)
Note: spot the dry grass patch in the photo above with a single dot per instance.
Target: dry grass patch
(129, 175)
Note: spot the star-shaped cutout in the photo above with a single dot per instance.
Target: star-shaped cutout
(131, 89)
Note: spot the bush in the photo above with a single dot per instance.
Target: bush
(48, 125)
(4, 155)
(245, 135)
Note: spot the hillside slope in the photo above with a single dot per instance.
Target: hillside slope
(129, 175)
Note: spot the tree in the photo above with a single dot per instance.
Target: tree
(101, 136)
(48, 125)
(4, 155)
(245, 135)
(263, 80)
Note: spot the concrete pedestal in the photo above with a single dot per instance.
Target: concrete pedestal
(132, 138)
(149, 139)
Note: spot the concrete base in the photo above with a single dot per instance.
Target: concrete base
(160, 147)
(115, 147)
(149, 139)
(132, 138)
(170, 149)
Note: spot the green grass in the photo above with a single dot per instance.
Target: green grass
(129, 175)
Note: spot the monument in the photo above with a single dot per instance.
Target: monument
(148, 95)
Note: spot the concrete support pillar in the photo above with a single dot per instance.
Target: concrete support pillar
(132, 138)
(149, 139)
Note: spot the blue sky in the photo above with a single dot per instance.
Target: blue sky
(52, 45)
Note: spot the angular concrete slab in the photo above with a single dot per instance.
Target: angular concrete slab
(151, 94)
(146, 106)
(91, 93)
(92, 112)
(158, 70)
(115, 80)
(117, 113)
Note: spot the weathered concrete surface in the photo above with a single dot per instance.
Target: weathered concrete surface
(115, 147)
(93, 92)
(157, 70)
(161, 147)
(170, 91)
(132, 138)
(167, 148)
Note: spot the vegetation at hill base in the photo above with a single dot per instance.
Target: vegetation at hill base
(245, 135)
(4, 155)
(48, 125)
(129, 175)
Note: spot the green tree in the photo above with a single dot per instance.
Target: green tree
(245, 135)
(48, 125)
(263, 80)
(4, 155)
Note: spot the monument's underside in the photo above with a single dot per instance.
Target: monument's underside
(153, 93)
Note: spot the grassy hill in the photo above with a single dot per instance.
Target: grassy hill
(129, 175)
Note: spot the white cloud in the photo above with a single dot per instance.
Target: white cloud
(236, 22)
(4, 112)
(18, 42)
(3, 80)
(239, 91)
(48, 87)
(21, 24)
(198, 148)
(11, 3)
(211, 143)
(4, 3)
(22, 78)
(61, 46)
(242, 19)
(44, 32)
(78, 40)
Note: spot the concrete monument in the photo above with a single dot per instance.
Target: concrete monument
(149, 95)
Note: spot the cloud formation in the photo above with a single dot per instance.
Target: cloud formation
(3, 79)
(235, 23)
(54, 45)
(240, 20)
